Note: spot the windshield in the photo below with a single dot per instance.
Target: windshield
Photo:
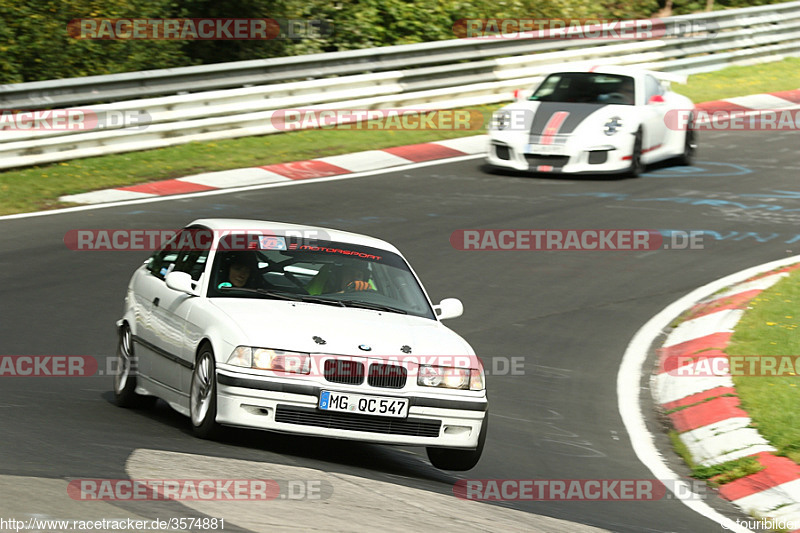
(321, 272)
(586, 87)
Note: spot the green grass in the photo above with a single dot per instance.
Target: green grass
(38, 188)
(729, 471)
(770, 328)
(742, 81)
(715, 475)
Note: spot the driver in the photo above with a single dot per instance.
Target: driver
(355, 278)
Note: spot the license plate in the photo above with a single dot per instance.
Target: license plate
(544, 149)
(364, 405)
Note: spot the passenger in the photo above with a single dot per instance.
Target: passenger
(239, 270)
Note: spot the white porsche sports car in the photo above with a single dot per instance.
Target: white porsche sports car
(302, 330)
(605, 120)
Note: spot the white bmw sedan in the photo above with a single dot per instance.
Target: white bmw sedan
(301, 330)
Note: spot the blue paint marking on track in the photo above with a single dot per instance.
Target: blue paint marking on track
(713, 202)
(732, 235)
(699, 170)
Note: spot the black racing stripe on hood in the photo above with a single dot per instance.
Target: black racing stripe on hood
(577, 114)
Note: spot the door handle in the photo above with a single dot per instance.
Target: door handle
(155, 302)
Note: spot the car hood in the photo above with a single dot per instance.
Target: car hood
(301, 326)
(560, 118)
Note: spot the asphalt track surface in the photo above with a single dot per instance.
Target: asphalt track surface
(568, 314)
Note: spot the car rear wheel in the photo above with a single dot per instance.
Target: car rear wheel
(459, 460)
(125, 377)
(689, 144)
(203, 395)
(636, 167)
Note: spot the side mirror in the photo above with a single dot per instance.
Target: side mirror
(181, 281)
(449, 308)
(656, 99)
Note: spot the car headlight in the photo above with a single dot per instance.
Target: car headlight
(269, 359)
(450, 377)
(501, 120)
(612, 126)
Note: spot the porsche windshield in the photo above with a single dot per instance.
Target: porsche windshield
(587, 88)
(321, 272)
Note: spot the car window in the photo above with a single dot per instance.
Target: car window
(587, 88)
(652, 87)
(186, 252)
(322, 270)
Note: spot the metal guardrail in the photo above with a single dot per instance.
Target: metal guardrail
(231, 100)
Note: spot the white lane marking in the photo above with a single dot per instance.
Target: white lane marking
(629, 379)
(237, 190)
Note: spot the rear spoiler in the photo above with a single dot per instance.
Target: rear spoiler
(669, 76)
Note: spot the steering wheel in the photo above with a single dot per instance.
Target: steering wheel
(351, 287)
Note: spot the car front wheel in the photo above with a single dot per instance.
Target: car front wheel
(459, 460)
(203, 395)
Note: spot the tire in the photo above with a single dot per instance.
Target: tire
(125, 378)
(636, 167)
(689, 144)
(203, 395)
(459, 460)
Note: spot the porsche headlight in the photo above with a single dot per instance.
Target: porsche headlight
(269, 359)
(501, 120)
(612, 126)
(450, 377)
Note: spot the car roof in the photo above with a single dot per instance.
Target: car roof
(238, 225)
(624, 70)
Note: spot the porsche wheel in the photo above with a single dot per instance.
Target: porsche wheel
(203, 395)
(636, 167)
(459, 460)
(689, 144)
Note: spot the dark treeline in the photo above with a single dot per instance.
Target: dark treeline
(35, 43)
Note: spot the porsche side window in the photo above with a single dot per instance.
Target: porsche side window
(651, 88)
(547, 88)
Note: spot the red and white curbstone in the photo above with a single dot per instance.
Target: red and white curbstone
(705, 409)
(337, 165)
